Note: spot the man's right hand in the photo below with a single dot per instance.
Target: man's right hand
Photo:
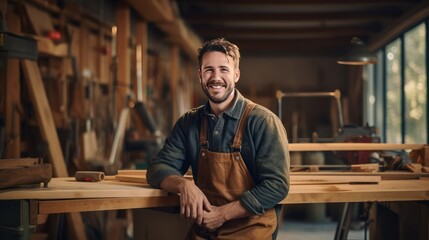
(193, 202)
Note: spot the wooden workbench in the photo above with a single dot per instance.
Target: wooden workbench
(67, 195)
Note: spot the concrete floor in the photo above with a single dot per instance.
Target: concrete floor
(299, 230)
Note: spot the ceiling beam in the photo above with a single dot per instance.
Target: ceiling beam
(295, 3)
(285, 33)
(289, 47)
(202, 18)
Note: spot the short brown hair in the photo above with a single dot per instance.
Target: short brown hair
(220, 45)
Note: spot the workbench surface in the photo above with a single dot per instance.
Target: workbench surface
(68, 195)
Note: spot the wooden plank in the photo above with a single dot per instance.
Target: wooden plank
(108, 191)
(369, 167)
(351, 146)
(39, 20)
(131, 178)
(49, 133)
(138, 176)
(48, 47)
(84, 205)
(19, 162)
(390, 175)
(134, 172)
(44, 116)
(312, 179)
(69, 188)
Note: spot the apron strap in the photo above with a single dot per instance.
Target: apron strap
(236, 145)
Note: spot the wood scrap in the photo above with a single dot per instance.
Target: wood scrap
(131, 178)
(137, 176)
(414, 167)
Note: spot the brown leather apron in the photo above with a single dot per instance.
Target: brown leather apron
(223, 177)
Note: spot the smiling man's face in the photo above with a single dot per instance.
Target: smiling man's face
(218, 75)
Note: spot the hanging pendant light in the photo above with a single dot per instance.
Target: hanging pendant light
(358, 54)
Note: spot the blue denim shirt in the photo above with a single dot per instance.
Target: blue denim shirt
(264, 150)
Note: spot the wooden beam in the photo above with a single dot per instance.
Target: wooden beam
(154, 10)
(402, 24)
(286, 32)
(297, 3)
(366, 16)
(44, 116)
(182, 36)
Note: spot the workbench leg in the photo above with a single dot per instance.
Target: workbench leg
(344, 225)
(15, 219)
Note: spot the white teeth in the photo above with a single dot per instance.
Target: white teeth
(216, 86)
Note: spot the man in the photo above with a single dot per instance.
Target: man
(238, 153)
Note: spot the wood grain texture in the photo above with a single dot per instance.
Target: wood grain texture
(63, 189)
(351, 146)
(69, 188)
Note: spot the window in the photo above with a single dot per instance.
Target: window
(415, 85)
(393, 92)
(396, 89)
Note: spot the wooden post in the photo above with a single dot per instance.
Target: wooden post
(425, 156)
(13, 96)
(174, 80)
(123, 56)
(142, 39)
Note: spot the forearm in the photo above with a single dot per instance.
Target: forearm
(234, 210)
(173, 183)
(219, 215)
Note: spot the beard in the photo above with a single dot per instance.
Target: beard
(217, 99)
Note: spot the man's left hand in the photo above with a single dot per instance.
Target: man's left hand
(214, 219)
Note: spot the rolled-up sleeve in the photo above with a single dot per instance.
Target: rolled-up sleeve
(272, 164)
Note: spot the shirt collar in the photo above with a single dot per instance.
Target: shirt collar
(236, 108)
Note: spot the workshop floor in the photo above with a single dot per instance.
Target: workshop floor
(297, 230)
